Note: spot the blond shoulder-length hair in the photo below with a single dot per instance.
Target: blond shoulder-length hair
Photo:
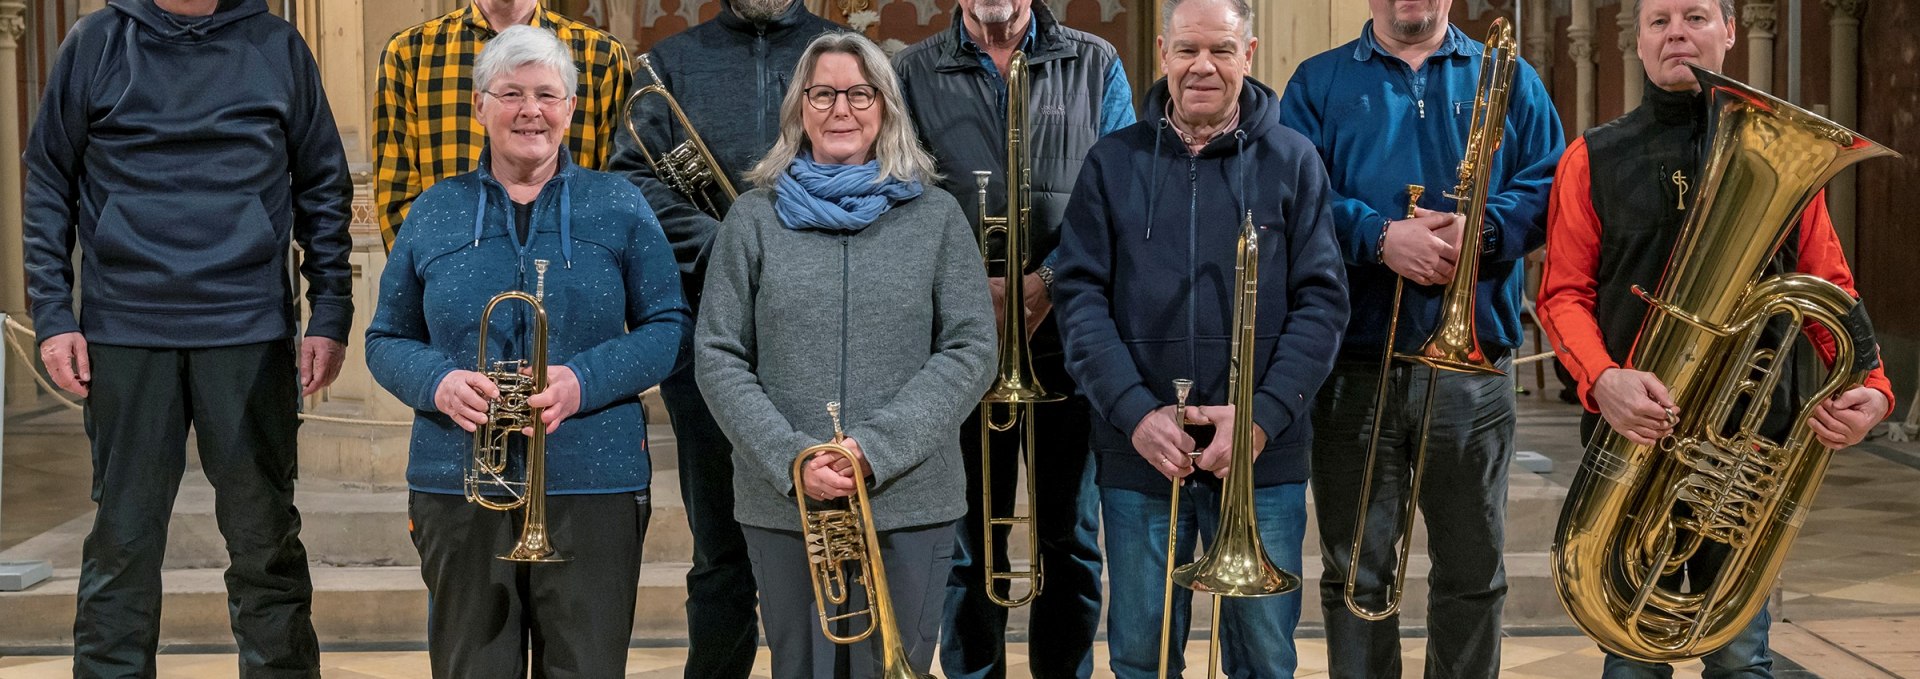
(896, 147)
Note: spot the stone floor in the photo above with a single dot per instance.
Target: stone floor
(1849, 602)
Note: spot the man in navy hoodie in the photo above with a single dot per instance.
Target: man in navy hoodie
(185, 145)
(1145, 296)
(1389, 109)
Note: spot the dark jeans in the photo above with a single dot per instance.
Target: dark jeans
(722, 627)
(917, 562)
(488, 618)
(1256, 633)
(241, 402)
(1066, 614)
(1463, 498)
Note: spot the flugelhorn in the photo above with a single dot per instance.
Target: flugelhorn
(507, 416)
(689, 168)
(1454, 345)
(1236, 565)
(1634, 512)
(1016, 387)
(842, 539)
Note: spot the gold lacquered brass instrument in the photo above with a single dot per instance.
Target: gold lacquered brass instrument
(1016, 387)
(844, 538)
(1236, 565)
(689, 168)
(506, 417)
(1454, 345)
(1636, 513)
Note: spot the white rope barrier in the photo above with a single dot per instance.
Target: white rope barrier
(1536, 358)
(33, 366)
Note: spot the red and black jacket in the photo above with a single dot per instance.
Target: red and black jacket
(1623, 175)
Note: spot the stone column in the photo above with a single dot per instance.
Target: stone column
(1580, 45)
(1843, 87)
(1538, 43)
(1758, 18)
(1632, 75)
(13, 292)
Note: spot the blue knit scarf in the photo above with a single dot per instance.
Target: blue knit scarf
(837, 198)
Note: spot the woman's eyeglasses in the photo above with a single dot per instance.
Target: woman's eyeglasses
(860, 97)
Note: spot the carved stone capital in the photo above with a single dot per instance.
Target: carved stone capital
(1846, 9)
(1580, 44)
(1759, 17)
(13, 20)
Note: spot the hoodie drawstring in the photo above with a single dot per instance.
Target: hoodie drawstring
(1153, 175)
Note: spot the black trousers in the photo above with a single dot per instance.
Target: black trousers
(917, 563)
(241, 403)
(722, 626)
(1066, 614)
(490, 618)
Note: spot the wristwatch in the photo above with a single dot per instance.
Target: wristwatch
(1046, 277)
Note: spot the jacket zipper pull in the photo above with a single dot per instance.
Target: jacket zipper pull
(1423, 108)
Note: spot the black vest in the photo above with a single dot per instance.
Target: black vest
(958, 114)
(1641, 206)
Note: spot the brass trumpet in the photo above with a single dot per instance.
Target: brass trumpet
(1016, 387)
(1636, 513)
(689, 168)
(843, 538)
(1454, 345)
(1236, 565)
(506, 417)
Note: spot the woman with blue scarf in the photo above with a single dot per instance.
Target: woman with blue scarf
(841, 280)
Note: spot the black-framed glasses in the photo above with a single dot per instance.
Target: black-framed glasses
(860, 97)
(520, 100)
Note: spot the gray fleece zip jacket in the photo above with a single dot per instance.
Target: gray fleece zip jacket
(893, 322)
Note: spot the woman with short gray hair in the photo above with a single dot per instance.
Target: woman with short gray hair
(586, 245)
(841, 280)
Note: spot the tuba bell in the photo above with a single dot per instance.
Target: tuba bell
(1635, 513)
(842, 539)
(1236, 565)
(689, 169)
(487, 469)
(1015, 387)
(1454, 345)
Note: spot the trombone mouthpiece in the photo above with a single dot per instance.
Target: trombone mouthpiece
(833, 411)
(1414, 191)
(981, 178)
(540, 279)
(1181, 389)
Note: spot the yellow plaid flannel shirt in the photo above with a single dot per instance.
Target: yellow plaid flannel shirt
(424, 128)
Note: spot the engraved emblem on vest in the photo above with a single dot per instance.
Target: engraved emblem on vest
(1680, 182)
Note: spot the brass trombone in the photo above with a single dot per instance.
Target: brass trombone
(506, 417)
(842, 538)
(1236, 565)
(689, 168)
(1016, 387)
(1454, 345)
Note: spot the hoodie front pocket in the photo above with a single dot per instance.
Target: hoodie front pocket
(186, 252)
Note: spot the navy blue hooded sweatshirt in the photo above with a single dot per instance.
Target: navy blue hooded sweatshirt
(1145, 273)
(183, 155)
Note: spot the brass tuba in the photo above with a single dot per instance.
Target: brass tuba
(1454, 345)
(1236, 565)
(843, 538)
(689, 168)
(506, 416)
(1016, 387)
(1635, 513)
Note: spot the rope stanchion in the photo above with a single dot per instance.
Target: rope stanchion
(33, 366)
